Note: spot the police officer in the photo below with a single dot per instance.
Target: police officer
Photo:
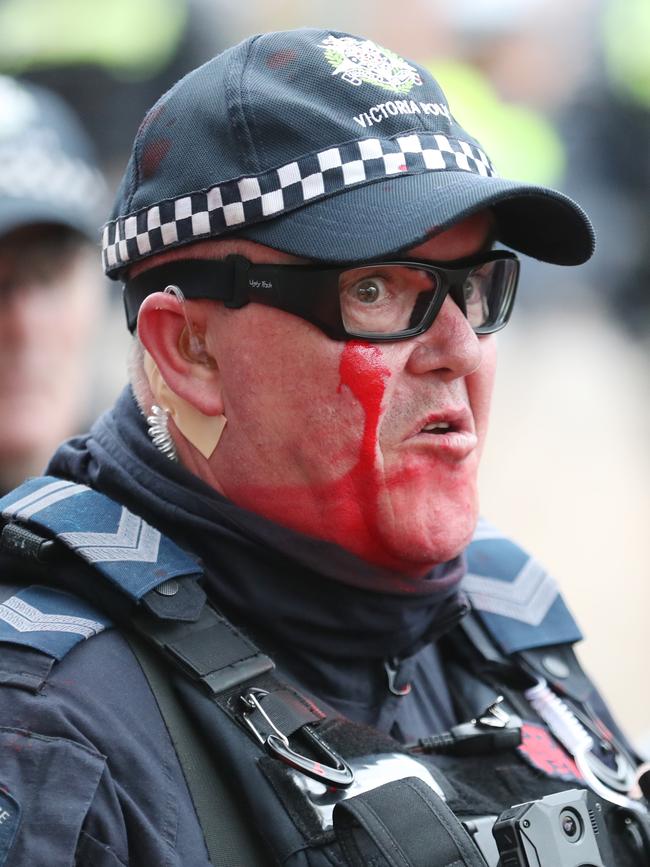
(244, 619)
(50, 286)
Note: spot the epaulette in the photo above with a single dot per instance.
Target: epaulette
(516, 600)
(519, 621)
(139, 563)
(49, 620)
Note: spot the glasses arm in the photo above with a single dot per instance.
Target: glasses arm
(222, 280)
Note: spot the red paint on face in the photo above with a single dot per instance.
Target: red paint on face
(362, 371)
(325, 438)
(348, 508)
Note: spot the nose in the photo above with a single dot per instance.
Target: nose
(449, 347)
(22, 314)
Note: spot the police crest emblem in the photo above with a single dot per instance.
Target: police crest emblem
(360, 61)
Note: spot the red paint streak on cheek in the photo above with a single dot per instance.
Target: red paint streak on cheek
(345, 510)
(361, 370)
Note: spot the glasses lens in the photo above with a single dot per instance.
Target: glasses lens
(488, 293)
(385, 299)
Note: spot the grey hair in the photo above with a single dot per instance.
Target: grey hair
(137, 376)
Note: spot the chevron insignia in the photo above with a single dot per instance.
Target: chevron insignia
(48, 620)
(102, 532)
(133, 540)
(26, 618)
(517, 600)
(527, 597)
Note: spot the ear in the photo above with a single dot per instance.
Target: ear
(182, 359)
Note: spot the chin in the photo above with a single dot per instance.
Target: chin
(423, 554)
(432, 532)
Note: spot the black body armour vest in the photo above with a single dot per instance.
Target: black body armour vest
(317, 789)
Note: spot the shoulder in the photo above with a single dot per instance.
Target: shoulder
(70, 683)
(83, 744)
(516, 598)
(518, 606)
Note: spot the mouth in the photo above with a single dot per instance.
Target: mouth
(447, 421)
(450, 431)
(438, 427)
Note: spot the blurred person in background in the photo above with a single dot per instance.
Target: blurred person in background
(108, 63)
(51, 291)
(607, 127)
(305, 236)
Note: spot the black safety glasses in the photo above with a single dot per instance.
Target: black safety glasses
(376, 301)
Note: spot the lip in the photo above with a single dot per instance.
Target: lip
(457, 443)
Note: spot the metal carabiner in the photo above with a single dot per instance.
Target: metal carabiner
(338, 774)
(251, 704)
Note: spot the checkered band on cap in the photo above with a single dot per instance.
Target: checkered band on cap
(32, 172)
(244, 201)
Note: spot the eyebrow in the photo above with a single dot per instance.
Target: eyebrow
(490, 239)
(486, 246)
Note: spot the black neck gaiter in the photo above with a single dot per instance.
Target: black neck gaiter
(307, 597)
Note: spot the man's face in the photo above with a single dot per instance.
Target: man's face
(339, 440)
(49, 294)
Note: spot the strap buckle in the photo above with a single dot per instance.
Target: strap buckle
(240, 291)
(334, 771)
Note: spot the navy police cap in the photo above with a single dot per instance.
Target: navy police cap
(324, 145)
(48, 171)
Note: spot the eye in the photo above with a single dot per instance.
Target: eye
(368, 291)
(470, 287)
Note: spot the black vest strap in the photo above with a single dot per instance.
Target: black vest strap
(227, 833)
(402, 824)
(210, 650)
(239, 678)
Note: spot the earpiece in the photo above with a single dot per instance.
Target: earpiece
(193, 343)
(196, 345)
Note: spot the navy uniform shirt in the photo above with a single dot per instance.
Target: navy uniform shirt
(86, 755)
